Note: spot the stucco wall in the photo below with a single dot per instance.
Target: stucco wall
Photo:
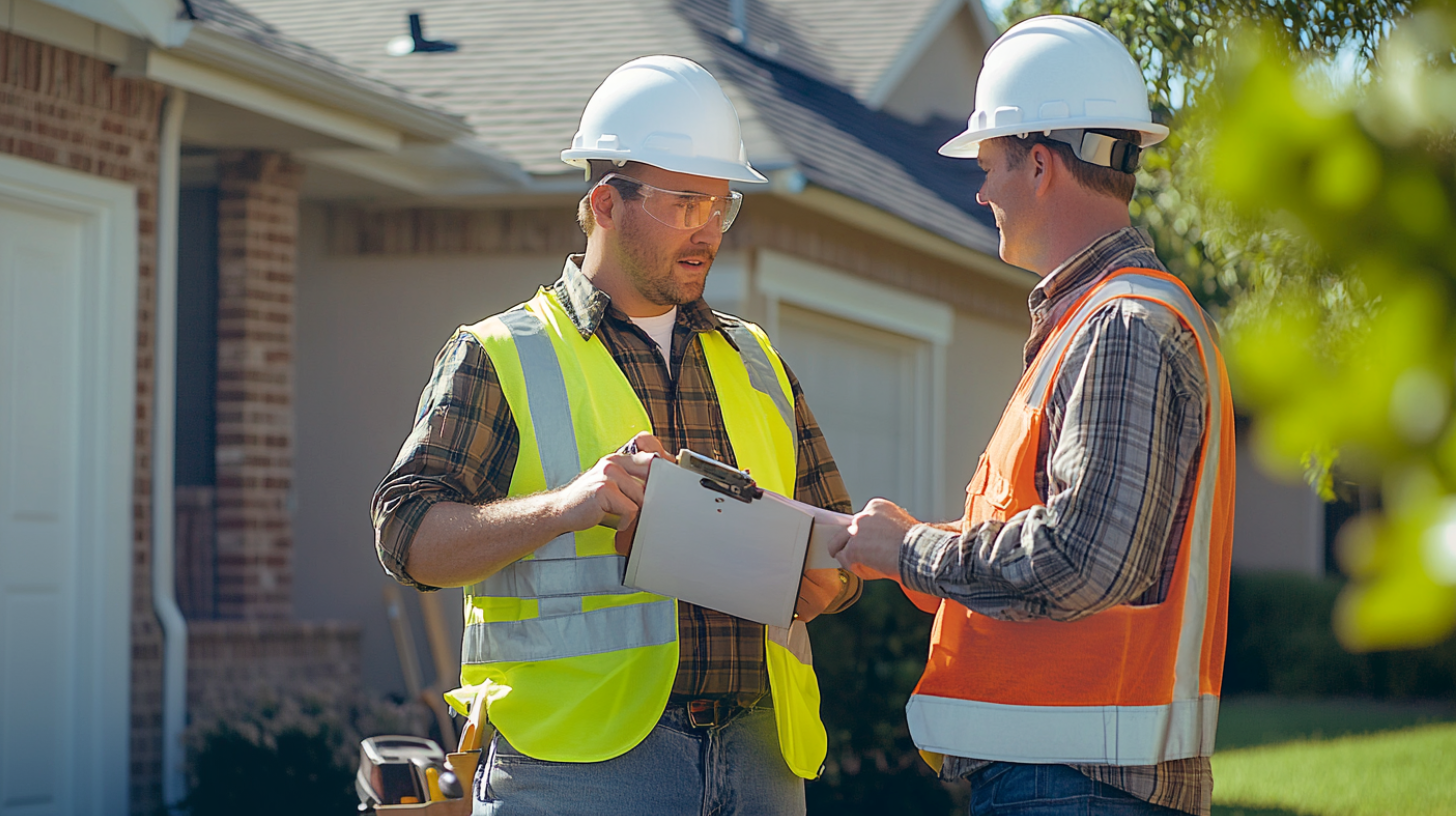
(368, 331)
(1278, 521)
(983, 366)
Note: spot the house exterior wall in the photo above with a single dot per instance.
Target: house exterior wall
(72, 110)
(943, 81)
(1279, 522)
(380, 291)
(257, 235)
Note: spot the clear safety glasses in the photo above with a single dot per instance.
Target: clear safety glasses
(677, 208)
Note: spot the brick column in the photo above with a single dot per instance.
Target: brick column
(257, 232)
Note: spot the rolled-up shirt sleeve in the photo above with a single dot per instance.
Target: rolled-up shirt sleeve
(1125, 428)
(462, 448)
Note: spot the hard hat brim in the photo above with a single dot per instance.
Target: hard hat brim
(707, 168)
(968, 144)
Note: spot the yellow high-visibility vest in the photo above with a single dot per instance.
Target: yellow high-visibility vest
(573, 666)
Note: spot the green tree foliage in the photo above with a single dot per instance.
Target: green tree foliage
(1368, 180)
(1181, 47)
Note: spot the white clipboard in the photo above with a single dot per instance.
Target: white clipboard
(743, 555)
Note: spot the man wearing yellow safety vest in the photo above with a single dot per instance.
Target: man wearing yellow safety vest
(1077, 652)
(539, 424)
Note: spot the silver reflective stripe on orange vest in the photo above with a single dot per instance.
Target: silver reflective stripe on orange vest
(1111, 735)
(1086, 735)
(761, 374)
(555, 577)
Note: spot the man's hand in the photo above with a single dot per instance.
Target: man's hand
(613, 487)
(817, 589)
(626, 527)
(645, 442)
(873, 548)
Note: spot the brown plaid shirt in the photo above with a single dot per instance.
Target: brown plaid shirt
(1120, 490)
(464, 445)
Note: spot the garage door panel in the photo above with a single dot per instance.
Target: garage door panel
(41, 372)
(67, 390)
(862, 385)
(29, 732)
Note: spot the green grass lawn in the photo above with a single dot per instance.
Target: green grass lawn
(1335, 758)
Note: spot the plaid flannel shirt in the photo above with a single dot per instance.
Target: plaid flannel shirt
(464, 445)
(1116, 471)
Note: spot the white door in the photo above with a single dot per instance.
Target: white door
(63, 582)
(869, 390)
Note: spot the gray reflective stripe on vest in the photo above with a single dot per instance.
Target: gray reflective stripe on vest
(581, 633)
(1195, 604)
(555, 577)
(1087, 735)
(550, 413)
(555, 444)
(541, 578)
(761, 374)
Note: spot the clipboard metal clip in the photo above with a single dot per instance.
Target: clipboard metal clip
(719, 477)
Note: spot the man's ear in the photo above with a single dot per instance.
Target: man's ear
(1044, 167)
(604, 201)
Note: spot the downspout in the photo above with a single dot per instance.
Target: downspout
(164, 408)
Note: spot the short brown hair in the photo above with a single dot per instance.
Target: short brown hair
(599, 170)
(1094, 177)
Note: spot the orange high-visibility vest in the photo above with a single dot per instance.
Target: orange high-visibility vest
(1131, 685)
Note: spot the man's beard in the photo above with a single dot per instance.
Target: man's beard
(651, 270)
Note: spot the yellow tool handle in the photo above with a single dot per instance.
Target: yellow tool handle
(474, 733)
(432, 777)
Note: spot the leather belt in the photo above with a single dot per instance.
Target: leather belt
(710, 713)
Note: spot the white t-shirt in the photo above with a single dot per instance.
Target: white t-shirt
(660, 330)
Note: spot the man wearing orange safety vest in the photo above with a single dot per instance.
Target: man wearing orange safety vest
(1081, 601)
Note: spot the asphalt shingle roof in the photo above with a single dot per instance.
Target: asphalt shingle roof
(237, 22)
(868, 155)
(525, 69)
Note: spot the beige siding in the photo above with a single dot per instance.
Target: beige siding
(368, 331)
(942, 82)
(983, 365)
(1278, 521)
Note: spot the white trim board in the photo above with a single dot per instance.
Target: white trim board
(243, 93)
(784, 277)
(96, 717)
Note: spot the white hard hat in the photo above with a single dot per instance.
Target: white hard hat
(668, 112)
(1057, 73)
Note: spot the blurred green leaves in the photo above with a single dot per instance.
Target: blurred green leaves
(1367, 181)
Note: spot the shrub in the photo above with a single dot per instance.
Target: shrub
(868, 660)
(266, 753)
(1281, 641)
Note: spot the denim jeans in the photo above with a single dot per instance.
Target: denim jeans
(1051, 790)
(735, 768)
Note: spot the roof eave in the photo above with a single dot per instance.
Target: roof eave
(983, 260)
(262, 65)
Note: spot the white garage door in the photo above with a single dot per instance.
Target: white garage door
(64, 520)
(868, 389)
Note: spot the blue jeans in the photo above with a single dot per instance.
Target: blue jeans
(1051, 790)
(734, 768)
